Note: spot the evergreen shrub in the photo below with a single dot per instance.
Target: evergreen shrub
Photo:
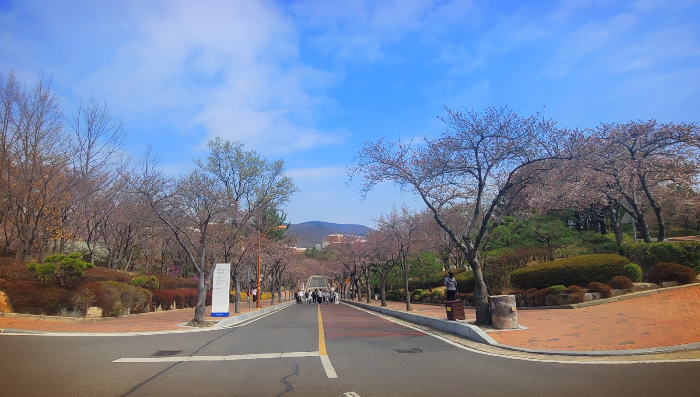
(577, 270)
(633, 272)
(32, 297)
(558, 289)
(604, 289)
(573, 289)
(686, 253)
(117, 299)
(147, 282)
(621, 282)
(664, 271)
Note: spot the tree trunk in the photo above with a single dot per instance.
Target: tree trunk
(641, 222)
(201, 298)
(383, 281)
(279, 289)
(657, 210)
(481, 296)
(369, 292)
(407, 293)
(237, 297)
(615, 220)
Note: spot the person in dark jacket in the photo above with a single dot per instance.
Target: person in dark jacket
(451, 284)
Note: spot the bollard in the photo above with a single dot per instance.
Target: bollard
(504, 314)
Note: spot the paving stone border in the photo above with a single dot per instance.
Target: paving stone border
(65, 319)
(476, 334)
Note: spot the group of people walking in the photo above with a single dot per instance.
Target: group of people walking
(317, 296)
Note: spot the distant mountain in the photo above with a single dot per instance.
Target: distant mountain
(311, 233)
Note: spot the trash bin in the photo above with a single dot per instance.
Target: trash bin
(504, 313)
(455, 310)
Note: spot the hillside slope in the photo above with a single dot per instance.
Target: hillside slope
(311, 233)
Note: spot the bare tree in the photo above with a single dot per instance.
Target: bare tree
(402, 228)
(484, 159)
(34, 157)
(382, 256)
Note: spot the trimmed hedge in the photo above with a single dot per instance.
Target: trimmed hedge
(117, 299)
(434, 281)
(633, 272)
(621, 282)
(686, 253)
(578, 270)
(99, 274)
(465, 282)
(15, 271)
(664, 271)
(31, 297)
(169, 282)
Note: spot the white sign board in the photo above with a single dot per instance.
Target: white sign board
(221, 290)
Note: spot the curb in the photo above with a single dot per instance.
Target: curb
(246, 316)
(62, 319)
(222, 324)
(469, 331)
(476, 334)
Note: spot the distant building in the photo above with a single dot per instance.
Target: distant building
(341, 238)
(297, 249)
(318, 247)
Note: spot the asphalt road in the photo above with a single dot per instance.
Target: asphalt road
(281, 355)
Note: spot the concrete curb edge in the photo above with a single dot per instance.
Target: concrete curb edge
(469, 331)
(247, 316)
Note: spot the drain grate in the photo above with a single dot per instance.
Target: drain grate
(408, 350)
(167, 352)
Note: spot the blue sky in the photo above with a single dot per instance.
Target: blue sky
(310, 81)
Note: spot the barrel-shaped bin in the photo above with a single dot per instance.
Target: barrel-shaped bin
(504, 314)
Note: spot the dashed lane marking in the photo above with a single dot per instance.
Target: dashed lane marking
(351, 394)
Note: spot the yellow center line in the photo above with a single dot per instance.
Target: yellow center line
(321, 338)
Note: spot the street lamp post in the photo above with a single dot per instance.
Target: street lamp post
(257, 302)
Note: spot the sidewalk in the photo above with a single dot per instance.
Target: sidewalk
(167, 320)
(670, 318)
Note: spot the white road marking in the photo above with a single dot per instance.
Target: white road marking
(351, 394)
(685, 360)
(330, 371)
(221, 358)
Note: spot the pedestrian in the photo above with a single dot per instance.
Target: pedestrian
(376, 292)
(451, 284)
(314, 296)
(255, 295)
(300, 296)
(336, 298)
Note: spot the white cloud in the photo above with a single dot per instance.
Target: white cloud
(229, 69)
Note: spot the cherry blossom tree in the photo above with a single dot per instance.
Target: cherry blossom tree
(481, 159)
